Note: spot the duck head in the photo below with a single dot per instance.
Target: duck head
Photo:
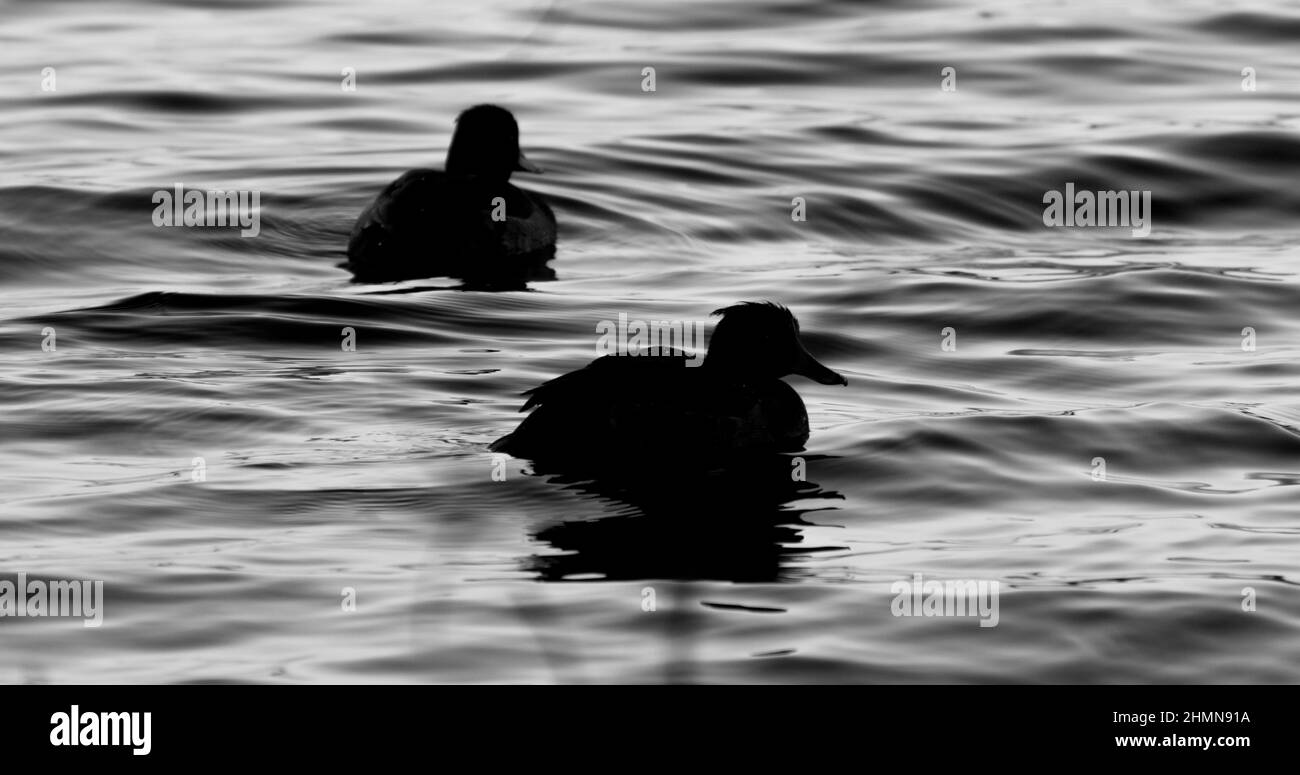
(486, 144)
(757, 341)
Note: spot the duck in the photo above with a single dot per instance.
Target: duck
(631, 409)
(466, 221)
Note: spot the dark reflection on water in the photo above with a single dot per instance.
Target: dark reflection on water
(727, 525)
(514, 275)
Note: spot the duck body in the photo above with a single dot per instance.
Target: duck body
(466, 221)
(630, 410)
(639, 408)
(431, 223)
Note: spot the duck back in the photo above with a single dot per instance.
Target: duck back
(430, 223)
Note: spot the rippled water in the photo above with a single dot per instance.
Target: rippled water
(328, 469)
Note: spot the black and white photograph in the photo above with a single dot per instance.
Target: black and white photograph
(560, 342)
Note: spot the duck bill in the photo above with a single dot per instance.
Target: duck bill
(524, 165)
(810, 367)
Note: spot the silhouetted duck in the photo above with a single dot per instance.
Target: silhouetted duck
(466, 222)
(622, 410)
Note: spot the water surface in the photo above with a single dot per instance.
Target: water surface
(329, 469)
